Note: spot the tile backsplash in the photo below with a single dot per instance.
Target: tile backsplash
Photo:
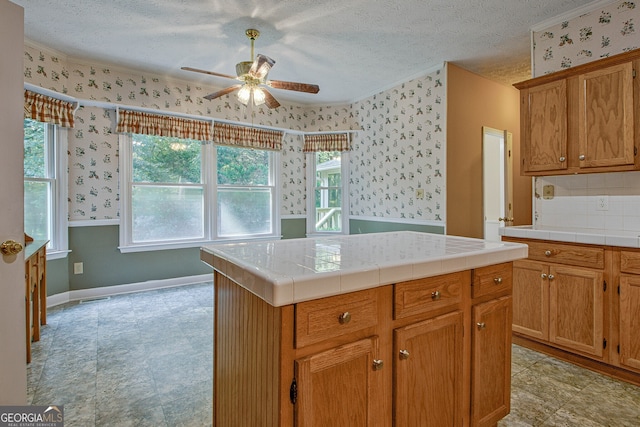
(591, 202)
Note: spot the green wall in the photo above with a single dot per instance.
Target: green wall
(358, 226)
(104, 265)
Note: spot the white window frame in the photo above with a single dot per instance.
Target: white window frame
(311, 195)
(209, 182)
(55, 148)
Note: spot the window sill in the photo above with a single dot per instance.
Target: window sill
(185, 245)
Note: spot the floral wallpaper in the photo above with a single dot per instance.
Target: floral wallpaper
(602, 32)
(399, 148)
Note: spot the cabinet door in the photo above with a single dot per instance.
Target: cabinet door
(531, 299)
(544, 124)
(491, 362)
(630, 321)
(576, 308)
(341, 386)
(606, 117)
(428, 372)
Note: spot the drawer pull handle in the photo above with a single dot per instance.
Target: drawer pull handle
(344, 318)
(481, 325)
(435, 295)
(497, 280)
(547, 253)
(551, 277)
(544, 276)
(377, 364)
(404, 354)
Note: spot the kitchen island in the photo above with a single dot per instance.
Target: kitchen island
(399, 328)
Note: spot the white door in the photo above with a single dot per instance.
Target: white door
(496, 181)
(13, 367)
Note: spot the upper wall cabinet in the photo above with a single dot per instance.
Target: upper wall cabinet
(581, 120)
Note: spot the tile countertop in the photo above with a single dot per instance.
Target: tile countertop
(283, 272)
(577, 235)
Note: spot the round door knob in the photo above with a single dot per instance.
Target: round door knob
(377, 364)
(497, 280)
(481, 325)
(562, 159)
(435, 295)
(551, 277)
(10, 247)
(581, 157)
(547, 253)
(344, 318)
(404, 354)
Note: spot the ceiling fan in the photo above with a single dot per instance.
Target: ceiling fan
(253, 75)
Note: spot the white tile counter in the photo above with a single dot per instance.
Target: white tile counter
(283, 272)
(574, 235)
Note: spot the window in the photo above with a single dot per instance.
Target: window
(45, 208)
(246, 192)
(183, 193)
(328, 192)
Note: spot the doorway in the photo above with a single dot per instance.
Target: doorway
(497, 184)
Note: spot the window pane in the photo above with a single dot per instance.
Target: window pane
(34, 149)
(242, 166)
(243, 211)
(37, 208)
(328, 192)
(328, 170)
(167, 213)
(166, 160)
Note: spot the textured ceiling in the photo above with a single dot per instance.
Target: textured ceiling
(350, 48)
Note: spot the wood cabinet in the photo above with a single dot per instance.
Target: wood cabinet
(491, 361)
(629, 310)
(35, 290)
(581, 119)
(544, 127)
(558, 303)
(411, 353)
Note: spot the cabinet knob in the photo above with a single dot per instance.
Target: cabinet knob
(562, 159)
(435, 295)
(481, 325)
(404, 354)
(377, 364)
(551, 277)
(547, 253)
(544, 276)
(497, 280)
(344, 318)
(581, 157)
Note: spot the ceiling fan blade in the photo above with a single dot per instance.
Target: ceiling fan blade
(211, 73)
(300, 87)
(269, 100)
(222, 92)
(261, 66)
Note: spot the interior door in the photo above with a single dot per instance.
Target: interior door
(13, 371)
(497, 181)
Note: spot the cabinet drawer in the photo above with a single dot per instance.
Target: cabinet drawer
(582, 256)
(331, 317)
(630, 262)
(427, 295)
(493, 279)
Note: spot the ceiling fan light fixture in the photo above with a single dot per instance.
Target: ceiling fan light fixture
(259, 97)
(244, 94)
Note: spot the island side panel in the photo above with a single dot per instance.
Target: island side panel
(246, 357)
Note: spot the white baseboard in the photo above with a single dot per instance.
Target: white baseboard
(105, 291)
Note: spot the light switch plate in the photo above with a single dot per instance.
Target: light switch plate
(547, 192)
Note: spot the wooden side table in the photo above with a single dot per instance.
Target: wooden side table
(35, 256)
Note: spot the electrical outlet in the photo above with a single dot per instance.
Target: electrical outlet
(78, 268)
(602, 203)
